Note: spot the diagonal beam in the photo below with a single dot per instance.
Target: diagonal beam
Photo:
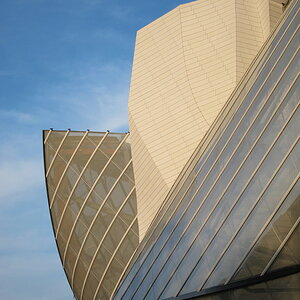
(87, 197)
(210, 151)
(280, 247)
(47, 136)
(76, 183)
(249, 213)
(245, 256)
(102, 239)
(94, 220)
(54, 157)
(113, 256)
(223, 149)
(67, 167)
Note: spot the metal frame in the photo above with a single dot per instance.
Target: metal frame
(113, 256)
(94, 220)
(67, 167)
(108, 157)
(76, 183)
(238, 197)
(87, 197)
(121, 276)
(280, 247)
(237, 126)
(264, 63)
(47, 136)
(57, 150)
(250, 212)
(103, 237)
(220, 118)
(240, 284)
(228, 185)
(261, 232)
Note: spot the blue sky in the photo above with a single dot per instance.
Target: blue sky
(63, 64)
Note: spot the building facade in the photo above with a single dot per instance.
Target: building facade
(233, 214)
(186, 64)
(208, 204)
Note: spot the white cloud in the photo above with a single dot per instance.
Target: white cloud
(90, 97)
(21, 166)
(18, 177)
(18, 276)
(16, 116)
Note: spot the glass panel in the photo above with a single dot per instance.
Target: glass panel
(96, 137)
(94, 167)
(112, 276)
(258, 218)
(80, 274)
(92, 286)
(286, 288)
(64, 191)
(107, 180)
(100, 263)
(272, 237)
(123, 156)
(48, 156)
(283, 288)
(104, 219)
(127, 247)
(82, 155)
(55, 212)
(129, 211)
(70, 261)
(111, 143)
(89, 249)
(55, 174)
(230, 194)
(120, 192)
(115, 234)
(147, 261)
(73, 208)
(69, 145)
(55, 139)
(102, 294)
(290, 254)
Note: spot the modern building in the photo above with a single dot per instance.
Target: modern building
(92, 201)
(186, 64)
(207, 206)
